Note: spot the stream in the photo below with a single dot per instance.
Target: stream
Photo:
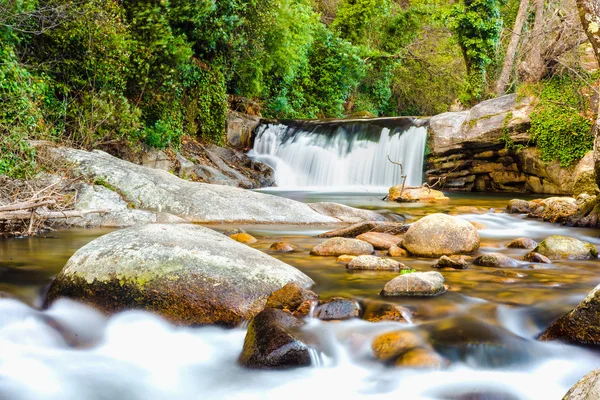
(485, 324)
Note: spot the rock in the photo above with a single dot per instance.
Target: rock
(184, 167)
(518, 206)
(587, 388)
(156, 190)
(391, 345)
(545, 177)
(281, 246)
(337, 308)
(439, 234)
(415, 284)
(377, 312)
(522, 243)
(240, 128)
(580, 325)
(345, 258)
(189, 274)
(375, 263)
(496, 260)
(271, 343)
(158, 159)
(536, 257)
(290, 297)
(456, 262)
(481, 127)
(555, 209)
(413, 194)
(243, 238)
(380, 241)
(566, 248)
(396, 251)
(342, 246)
(421, 358)
(584, 176)
(351, 231)
(346, 214)
(508, 273)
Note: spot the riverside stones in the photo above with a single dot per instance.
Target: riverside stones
(282, 247)
(496, 260)
(379, 240)
(189, 274)
(566, 248)
(522, 243)
(439, 234)
(290, 297)
(337, 308)
(415, 284)
(456, 262)
(342, 246)
(375, 263)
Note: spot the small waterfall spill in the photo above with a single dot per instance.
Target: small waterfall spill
(343, 154)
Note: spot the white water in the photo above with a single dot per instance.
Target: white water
(136, 355)
(351, 156)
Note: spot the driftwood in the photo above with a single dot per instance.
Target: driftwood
(27, 205)
(26, 215)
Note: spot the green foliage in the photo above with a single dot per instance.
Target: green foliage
(560, 123)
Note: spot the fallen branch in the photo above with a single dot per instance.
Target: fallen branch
(26, 205)
(26, 215)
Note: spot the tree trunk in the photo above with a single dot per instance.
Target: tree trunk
(511, 51)
(589, 13)
(534, 65)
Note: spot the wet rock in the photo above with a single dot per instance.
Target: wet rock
(352, 231)
(271, 343)
(239, 129)
(305, 308)
(581, 325)
(518, 206)
(496, 260)
(337, 308)
(566, 248)
(375, 263)
(555, 209)
(189, 274)
(377, 312)
(391, 345)
(342, 246)
(536, 257)
(421, 358)
(345, 259)
(455, 262)
(281, 246)
(415, 284)
(380, 241)
(508, 273)
(439, 234)
(184, 167)
(346, 214)
(233, 231)
(243, 238)
(522, 243)
(396, 251)
(587, 388)
(402, 194)
(290, 297)
(584, 176)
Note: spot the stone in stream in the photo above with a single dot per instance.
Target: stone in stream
(243, 238)
(187, 273)
(271, 343)
(345, 259)
(342, 246)
(290, 297)
(396, 251)
(536, 258)
(421, 357)
(580, 325)
(281, 246)
(522, 243)
(402, 194)
(390, 345)
(439, 234)
(566, 248)
(379, 240)
(587, 388)
(456, 262)
(377, 312)
(337, 308)
(415, 284)
(496, 260)
(352, 231)
(518, 206)
(508, 273)
(375, 263)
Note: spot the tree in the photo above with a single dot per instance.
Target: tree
(534, 67)
(511, 51)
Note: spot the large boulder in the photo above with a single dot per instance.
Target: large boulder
(580, 325)
(415, 284)
(439, 234)
(342, 246)
(566, 248)
(483, 126)
(587, 388)
(189, 274)
(271, 342)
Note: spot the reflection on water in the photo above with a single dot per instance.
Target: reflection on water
(485, 324)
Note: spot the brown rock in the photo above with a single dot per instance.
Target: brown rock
(375, 263)
(392, 344)
(518, 206)
(412, 194)
(337, 308)
(508, 273)
(522, 243)
(421, 358)
(537, 258)
(243, 238)
(377, 312)
(393, 228)
(281, 246)
(496, 260)
(290, 297)
(455, 262)
(380, 241)
(396, 251)
(340, 246)
(345, 258)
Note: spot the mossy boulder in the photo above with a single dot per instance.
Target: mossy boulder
(566, 248)
(437, 235)
(187, 273)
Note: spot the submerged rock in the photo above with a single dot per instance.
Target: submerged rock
(342, 246)
(243, 238)
(337, 308)
(391, 345)
(420, 357)
(566, 248)
(187, 273)
(456, 262)
(271, 343)
(518, 206)
(415, 284)
(522, 243)
(375, 263)
(580, 325)
(377, 312)
(536, 258)
(587, 388)
(496, 260)
(281, 246)
(439, 234)
(290, 297)
(379, 240)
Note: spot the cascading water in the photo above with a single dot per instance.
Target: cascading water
(351, 154)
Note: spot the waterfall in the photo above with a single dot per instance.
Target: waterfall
(348, 155)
